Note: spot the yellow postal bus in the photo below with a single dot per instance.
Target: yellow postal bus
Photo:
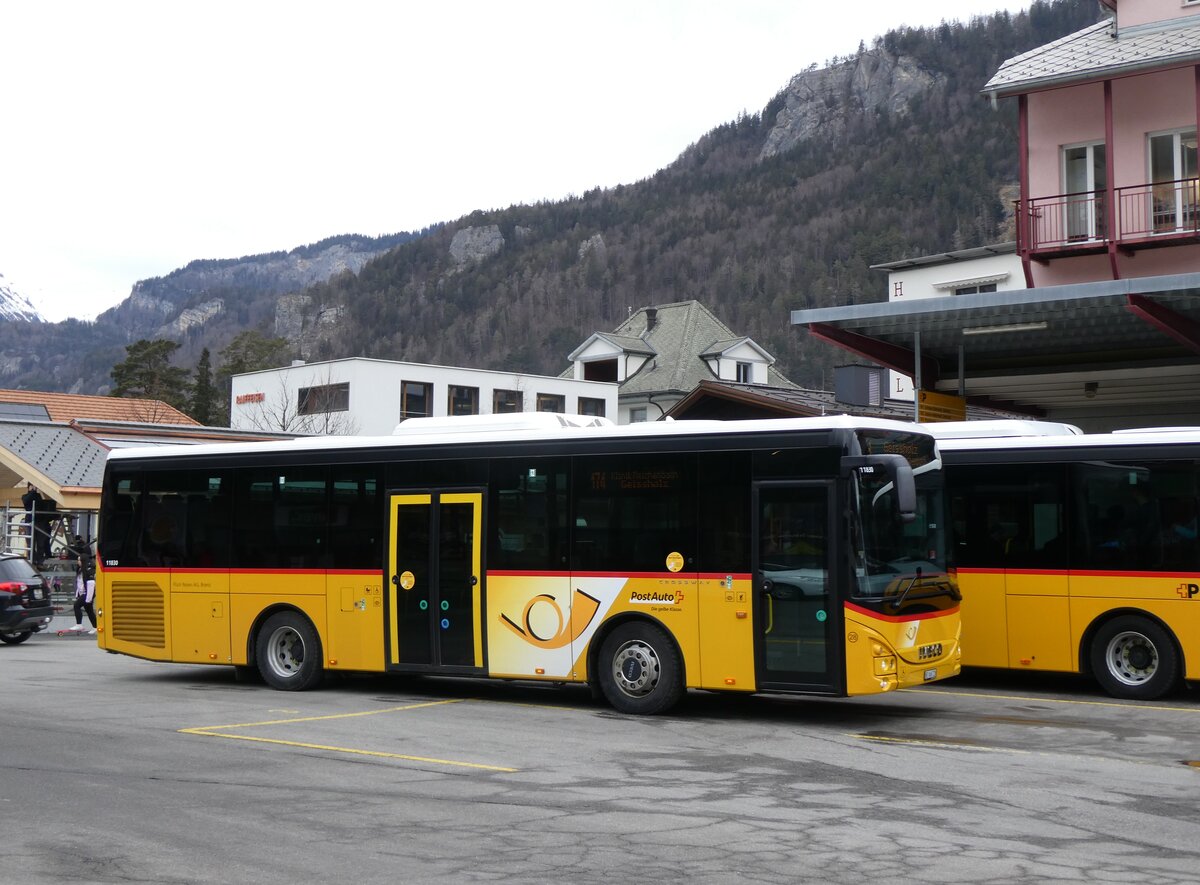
(1079, 553)
(795, 555)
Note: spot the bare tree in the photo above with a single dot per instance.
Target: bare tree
(314, 410)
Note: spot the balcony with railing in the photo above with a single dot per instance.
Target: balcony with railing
(1146, 216)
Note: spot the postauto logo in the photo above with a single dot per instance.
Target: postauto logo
(657, 597)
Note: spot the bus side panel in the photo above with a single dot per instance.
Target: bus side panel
(1039, 626)
(726, 659)
(984, 618)
(355, 616)
(250, 593)
(200, 617)
(133, 609)
(671, 600)
(531, 621)
(1039, 633)
(1165, 597)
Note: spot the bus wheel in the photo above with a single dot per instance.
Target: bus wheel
(289, 652)
(1134, 658)
(640, 671)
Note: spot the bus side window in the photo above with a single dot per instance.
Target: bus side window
(119, 535)
(723, 512)
(1009, 517)
(647, 504)
(528, 512)
(1130, 511)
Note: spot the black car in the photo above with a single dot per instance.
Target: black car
(25, 606)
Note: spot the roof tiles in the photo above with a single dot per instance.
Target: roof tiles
(1098, 51)
(74, 406)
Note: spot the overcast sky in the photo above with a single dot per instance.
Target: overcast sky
(138, 136)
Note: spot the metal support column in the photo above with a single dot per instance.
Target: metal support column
(917, 375)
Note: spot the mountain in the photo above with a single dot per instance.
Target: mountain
(888, 153)
(14, 306)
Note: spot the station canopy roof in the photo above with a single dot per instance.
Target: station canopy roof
(1036, 349)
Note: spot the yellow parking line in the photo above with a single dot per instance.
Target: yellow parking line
(219, 731)
(1016, 697)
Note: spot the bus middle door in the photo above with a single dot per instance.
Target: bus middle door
(436, 580)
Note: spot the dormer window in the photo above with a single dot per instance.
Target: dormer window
(745, 373)
(600, 370)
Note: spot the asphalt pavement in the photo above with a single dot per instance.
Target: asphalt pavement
(121, 770)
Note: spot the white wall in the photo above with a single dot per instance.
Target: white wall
(726, 368)
(939, 281)
(375, 392)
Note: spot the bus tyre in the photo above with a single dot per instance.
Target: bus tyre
(640, 670)
(289, 652)
(1135, 658)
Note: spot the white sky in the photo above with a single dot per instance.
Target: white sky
(138, 136)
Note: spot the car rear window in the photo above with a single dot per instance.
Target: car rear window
(17, 570)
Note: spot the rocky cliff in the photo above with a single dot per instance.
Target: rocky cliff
(826, 100)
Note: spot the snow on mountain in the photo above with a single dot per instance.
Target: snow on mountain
(14, 306)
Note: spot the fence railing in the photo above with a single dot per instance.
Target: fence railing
(1148, 210)
(1080, 220)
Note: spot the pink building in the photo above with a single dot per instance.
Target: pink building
(1098, 321)
(1108, 119)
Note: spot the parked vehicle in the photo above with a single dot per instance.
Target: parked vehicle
(25, 606)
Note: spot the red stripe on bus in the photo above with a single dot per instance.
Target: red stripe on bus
(1082, 573)
(145, 569)
(924, 616)
(704, 576)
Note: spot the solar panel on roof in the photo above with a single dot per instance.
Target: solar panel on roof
(24, 411)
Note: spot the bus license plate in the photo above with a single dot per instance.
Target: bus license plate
(931, 674)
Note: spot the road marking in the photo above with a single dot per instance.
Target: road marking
(220, 732)
(1015, 697)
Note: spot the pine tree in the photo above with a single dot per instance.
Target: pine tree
(146, 373)
(203, 406)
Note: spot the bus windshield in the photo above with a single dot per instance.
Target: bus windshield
(901, 565)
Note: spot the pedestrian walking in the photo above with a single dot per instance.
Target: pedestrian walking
(85, 591)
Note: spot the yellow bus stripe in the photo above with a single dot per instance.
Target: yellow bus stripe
(217, 731)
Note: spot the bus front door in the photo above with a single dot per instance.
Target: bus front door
(796, 612)
(436, 596)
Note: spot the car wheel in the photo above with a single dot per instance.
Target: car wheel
(288, 652)
(15, 638)
(640, 670)
(1133, 657)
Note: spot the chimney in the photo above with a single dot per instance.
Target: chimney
(651, 318)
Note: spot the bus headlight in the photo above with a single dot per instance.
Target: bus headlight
(885, 666)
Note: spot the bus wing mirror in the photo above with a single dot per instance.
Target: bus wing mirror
(899, 471)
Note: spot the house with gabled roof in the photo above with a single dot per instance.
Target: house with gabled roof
(661, 353)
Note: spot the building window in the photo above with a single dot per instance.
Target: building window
(416, 399)
(505, 401)
(973, 290)
(326, 398)
(1084, 183)
(592, 407)
(600, 370)
(551, 402)
(463, 400)
(745, 373)
(638, 415)
(1173, 181)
